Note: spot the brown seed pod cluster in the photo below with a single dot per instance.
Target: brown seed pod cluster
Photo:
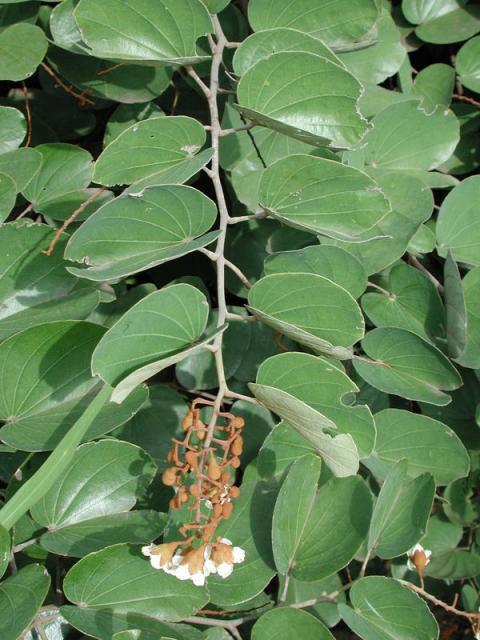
(202, 470)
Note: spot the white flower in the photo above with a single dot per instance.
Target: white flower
(161, 555)
(193, 565)
(223, 556)
(418, 558)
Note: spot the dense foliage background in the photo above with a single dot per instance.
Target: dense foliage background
(268, 207)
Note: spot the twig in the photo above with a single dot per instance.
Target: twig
(24, 545)
(239, 273)
(70, 220)
(418, 265)
(112, 68)
(240, 396)
(227, 132)
(68, 89)
(194, 75)
(25, 212)
(253, 216)
(29, 115)
(472, 616)
(236, 317)
(467, 99)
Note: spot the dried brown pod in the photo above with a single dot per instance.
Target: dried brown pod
(213, 471)
(227, 510)
(169, 476)
(234, 492)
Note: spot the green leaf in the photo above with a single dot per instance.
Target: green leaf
(423, 141)
(104, 580)
(26, 11)
(382, 59)
(289, 624)
(384, 610)
(39, 408)
(335, 524)
(101, 623)
(51, 470)
(442, 21)
(115, 472)
(5, 550)
(126, 115)
(386, 242)
(154, 333)
(148, 149)
(20, 598)
(458, 226)
(300, 305)
(454, 564)
(441, 534)
(157, 225)
(21, 165)
(163, 33)
(401, 512)
(470, 357)
(322, 196)
(22, 48)
(64, 28)
(299, 591)
(8, 195)
(263, 44)
(35, 288)
(413, 304)
(321, 385)
(65, 169)
(333, 263)
(318, 104)
(281, 447)
(467, 63)
(249, 527)
(13, 128)
(340, 25)
(456, 310)
(78, 540)
(426, 444)
(434, 85)
(407, 366)
(293, 508)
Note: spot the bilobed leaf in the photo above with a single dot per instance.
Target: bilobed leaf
(21, 165)
(65, 169)
(434, 85)
(20, 598)
(331, 262)
(321, 385)
(384, 610)
(149, 148)
(280, 449)
(22, 48)
(442, 21)
(87, 536)
(263, 44)
(455, 307)
(454, 564)
(317, 104)
(35, 288)
(162, 326)
(300, 305)
(159, 33)
(138, 231)
(8, 195)
(249, 527)
(401, 512)
(289, 624)
(470, 357)
(467, 63)
(413, 304)
(115, 472)
(407, 366)
(426, 444)
(126, 115)
(292, 509)
(340, 25)
(336, 524)
(5, 550)
(101, 623)
(322, 196)
(423, 142)
(104, 580)
(383, 58)
(458, 224)
(13, 128)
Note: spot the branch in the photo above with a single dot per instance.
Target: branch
(81, 97)
(466, 99)
(29, 115)
(418, 265)
(70, 219)
(253, 216)
(472, 616)
(194, 75)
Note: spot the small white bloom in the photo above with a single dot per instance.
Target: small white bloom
(224, 556)
(161, 555)
(418, 557)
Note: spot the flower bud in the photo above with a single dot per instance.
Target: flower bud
(192, 459)
(238, 422)
(213, 471)
(237, 446)
(235, 462)
(227, 510)
(234, 492)
(187, 422)
(169, 476)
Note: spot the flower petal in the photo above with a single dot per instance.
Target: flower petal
(238, 555)
(224, 569)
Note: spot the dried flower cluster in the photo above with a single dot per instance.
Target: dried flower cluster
(202, 473)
